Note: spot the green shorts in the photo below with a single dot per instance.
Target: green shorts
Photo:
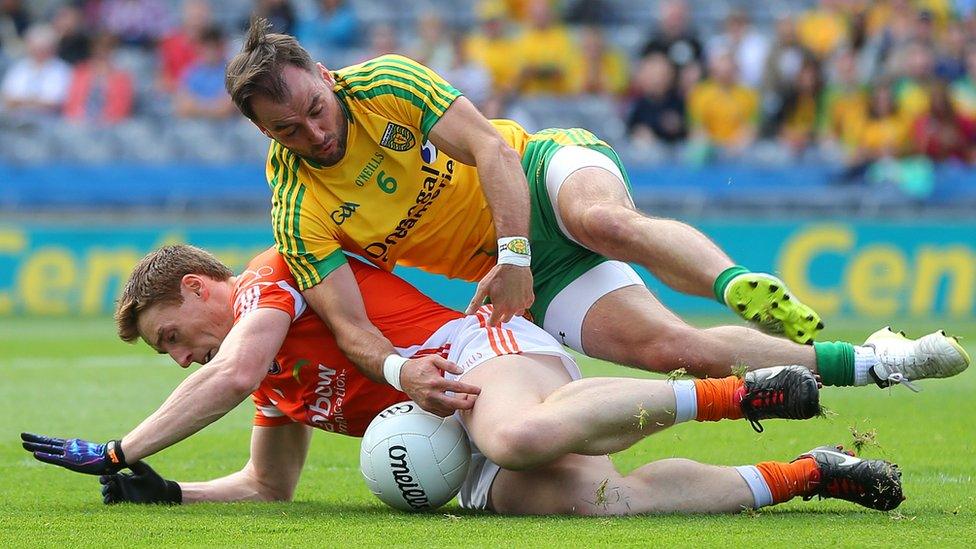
(556, 259)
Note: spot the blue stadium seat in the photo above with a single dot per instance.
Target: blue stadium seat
(140, 141)
(84, 143)
(250, 144)
(199, 141)
(596, 114)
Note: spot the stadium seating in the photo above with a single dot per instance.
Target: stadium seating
(104, 161)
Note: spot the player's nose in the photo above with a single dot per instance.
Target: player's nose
(316, 132)
(182, 357)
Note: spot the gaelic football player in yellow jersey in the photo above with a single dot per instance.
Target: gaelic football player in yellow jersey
(387, 160)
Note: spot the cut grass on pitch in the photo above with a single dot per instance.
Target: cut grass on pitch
(73, 378)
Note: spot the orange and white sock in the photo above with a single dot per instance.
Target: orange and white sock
(708, 399)
(773, 482)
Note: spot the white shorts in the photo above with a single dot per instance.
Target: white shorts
(469, 342)
(566, 161)
(566, 312)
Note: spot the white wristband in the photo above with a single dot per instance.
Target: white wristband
(391, 370)
(514, 250)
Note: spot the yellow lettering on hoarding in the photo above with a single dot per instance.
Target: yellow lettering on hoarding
(12, 242)
(875, 279)
(46, 281)
(958, 264)
(799, 252)
(100, 268)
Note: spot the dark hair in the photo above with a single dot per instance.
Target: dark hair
(156, 280)
(257, 69)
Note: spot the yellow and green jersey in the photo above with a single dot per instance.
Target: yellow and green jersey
(393, 198)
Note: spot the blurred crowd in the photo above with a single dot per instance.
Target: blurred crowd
(851, 82)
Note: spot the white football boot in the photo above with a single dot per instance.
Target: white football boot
(903, 360)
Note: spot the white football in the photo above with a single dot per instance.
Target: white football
(414, 460)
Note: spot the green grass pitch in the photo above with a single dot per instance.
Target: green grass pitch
(74, 378)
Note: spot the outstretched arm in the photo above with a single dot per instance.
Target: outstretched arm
(208, 394)
(215, 389)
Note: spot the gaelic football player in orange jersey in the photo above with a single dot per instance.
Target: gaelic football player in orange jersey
(388, 161)
(541, 436)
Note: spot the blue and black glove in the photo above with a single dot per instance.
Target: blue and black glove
(142, 486)
(76, 454)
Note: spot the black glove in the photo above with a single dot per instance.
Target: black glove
(76, 454)
(142, 486)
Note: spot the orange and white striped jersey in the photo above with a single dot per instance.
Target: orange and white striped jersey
(311, 381)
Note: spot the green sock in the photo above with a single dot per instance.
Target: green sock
(835, 362)
(723, 280)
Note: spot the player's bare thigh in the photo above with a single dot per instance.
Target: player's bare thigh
(509, 384)
(569, 485)
(616, 322)
(619, 325)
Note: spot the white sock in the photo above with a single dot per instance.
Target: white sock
(685, 400)
(864, 359)
(761, 495)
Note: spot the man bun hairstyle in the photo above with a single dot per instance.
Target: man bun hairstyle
(257, 69)
(156, 280)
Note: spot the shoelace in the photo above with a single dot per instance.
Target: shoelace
(765, 398)
(898, 378)
(818, 492)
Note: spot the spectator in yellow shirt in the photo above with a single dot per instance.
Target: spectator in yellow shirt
(801, 108)
(963, 90)
(845, 102)
(602, 69)
(547, 54)
(492, 48)
(883, 133)
(916, 64)
(824, 29)
(723, 111)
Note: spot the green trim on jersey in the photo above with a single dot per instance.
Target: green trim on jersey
(403, 79)
(326, 265)
(286, 216)
(556, 260)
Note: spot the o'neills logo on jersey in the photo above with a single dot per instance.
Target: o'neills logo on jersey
(397, 137)
(412, 493)
(434, 183)
(370, 168)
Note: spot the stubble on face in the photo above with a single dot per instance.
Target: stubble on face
(297, 108)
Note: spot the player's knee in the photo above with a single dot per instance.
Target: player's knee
(608, 223)
(516, 446)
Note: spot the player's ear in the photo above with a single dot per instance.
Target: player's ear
(195, 285)
(326, 74)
